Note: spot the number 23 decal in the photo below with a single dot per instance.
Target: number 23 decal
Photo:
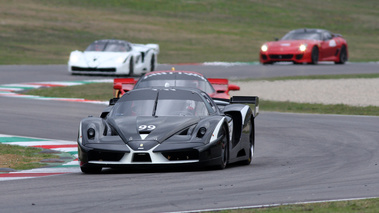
(146, 127)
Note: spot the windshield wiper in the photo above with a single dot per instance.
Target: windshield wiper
(155, 104)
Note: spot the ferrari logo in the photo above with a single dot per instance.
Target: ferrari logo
(141, 146)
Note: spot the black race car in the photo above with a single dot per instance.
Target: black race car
(160, 126)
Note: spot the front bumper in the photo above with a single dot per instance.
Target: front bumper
(297, 57)
(77, 69)
(118, 155)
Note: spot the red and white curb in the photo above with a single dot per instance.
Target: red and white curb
(10, 90)
(57, 145)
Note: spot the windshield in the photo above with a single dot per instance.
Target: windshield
(175, 79)
(162, 103)
(302, 36)
(108, 46)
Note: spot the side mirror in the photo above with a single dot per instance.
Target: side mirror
(113, 101)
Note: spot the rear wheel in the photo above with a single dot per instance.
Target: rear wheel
(343, 56)
(251, 153)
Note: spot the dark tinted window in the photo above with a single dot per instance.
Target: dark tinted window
(302, 36)
(327, 36)
(108, 46)
(136, 103)
(160, 103)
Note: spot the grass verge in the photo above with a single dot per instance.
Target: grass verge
(22, 158)
(351, 206)
(91, 91)
(341, 109)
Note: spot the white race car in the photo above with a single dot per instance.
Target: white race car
(114, 57)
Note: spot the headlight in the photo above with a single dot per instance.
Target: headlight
(91, 133)
(201, 132)
(303, 47)
(74, 58)
(120, 60)
(264, 48)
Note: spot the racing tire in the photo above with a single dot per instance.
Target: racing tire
(343, 56)
(252, 146)
(90, 170)
(250, 156)
(152, 63)
(314, 55)
(131, 67)
(224, 150)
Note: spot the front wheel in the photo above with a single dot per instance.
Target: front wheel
(224, 150)
(314, 56)
(131, 67)
(90, 170)
(152, 63)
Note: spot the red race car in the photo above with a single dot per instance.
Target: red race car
(305, 46)
(215, 87)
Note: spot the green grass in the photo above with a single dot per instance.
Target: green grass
(22, 158)
(91, 91)
(342, 109)
(351, 206)
(46, 31)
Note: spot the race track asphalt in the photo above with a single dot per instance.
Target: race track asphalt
(298, 158)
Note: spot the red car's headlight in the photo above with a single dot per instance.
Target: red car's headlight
(264, 48)
(303, 47)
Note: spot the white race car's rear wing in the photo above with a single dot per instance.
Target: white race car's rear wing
(247, 100)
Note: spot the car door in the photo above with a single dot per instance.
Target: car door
(328, 46)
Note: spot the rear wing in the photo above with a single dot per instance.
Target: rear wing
(122, 85)
(247, 100)
(222, 85)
